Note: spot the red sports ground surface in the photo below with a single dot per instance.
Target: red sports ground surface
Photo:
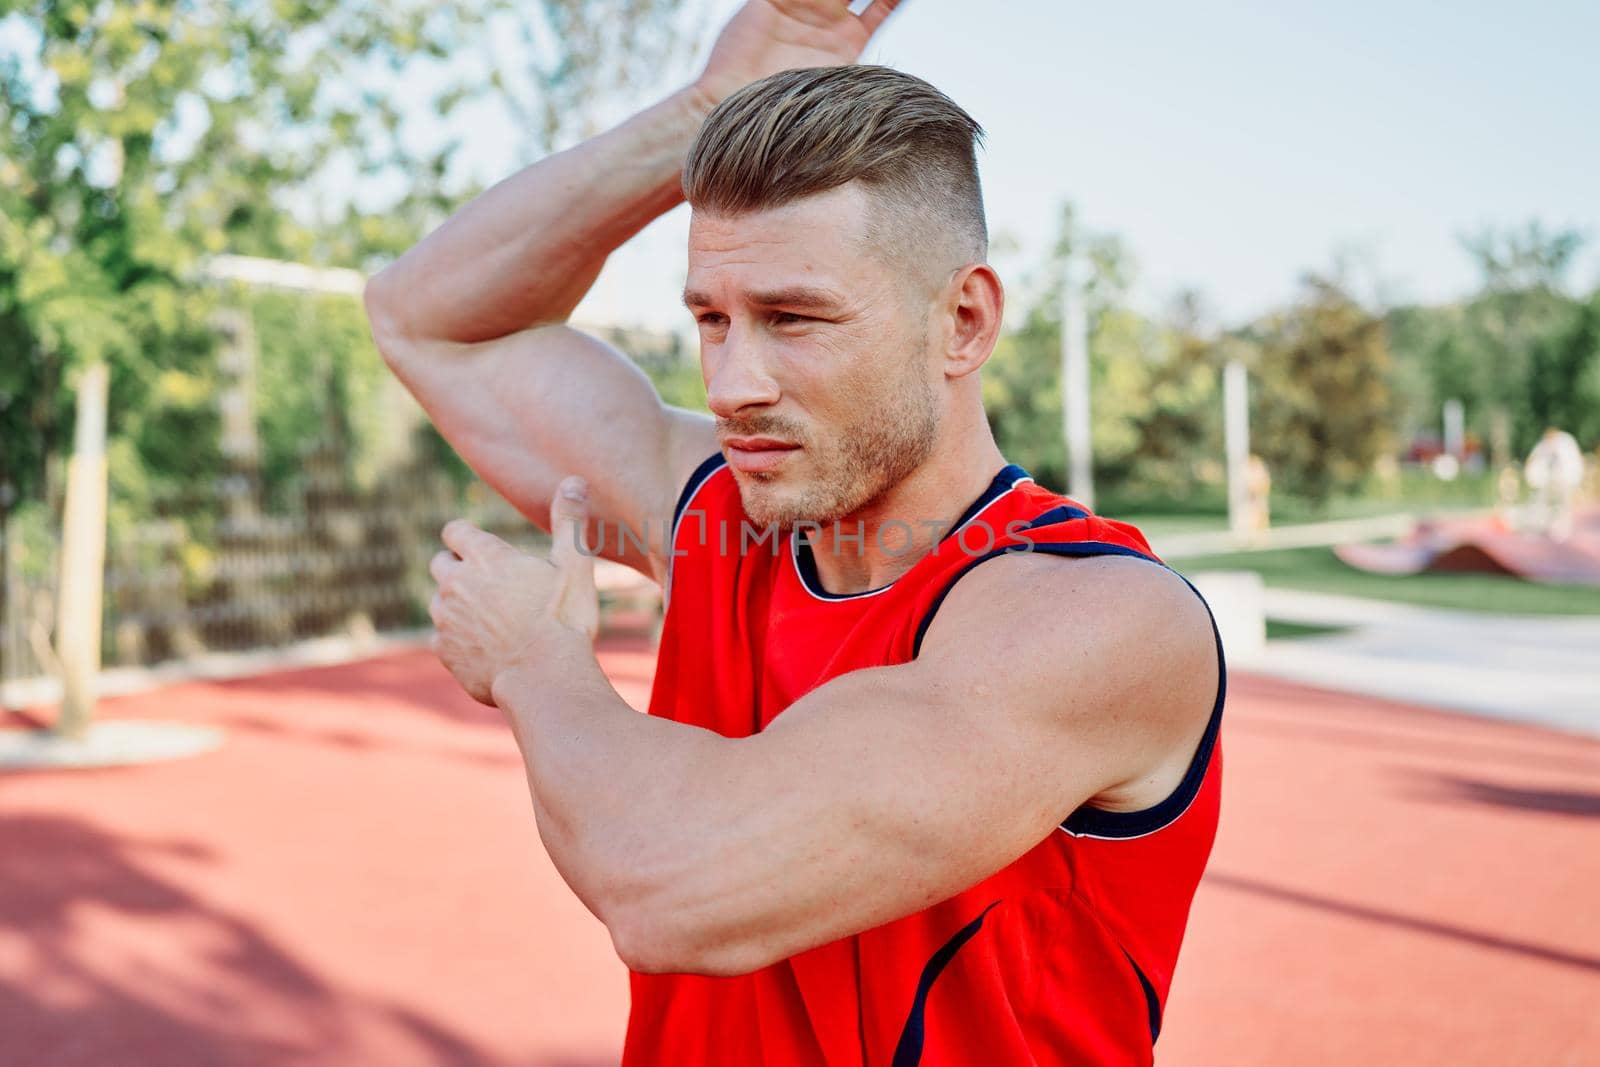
(354, 878)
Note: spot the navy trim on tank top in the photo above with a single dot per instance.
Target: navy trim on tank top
(908, 1050)
(692, 486)
(696, 482)
(1152, 1002)
(805, 562)
(1089, 821)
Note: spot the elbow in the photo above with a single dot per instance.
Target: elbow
(642, 946)
(384, 316)
(655, 940)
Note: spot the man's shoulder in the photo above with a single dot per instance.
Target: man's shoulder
(1071, 591)
(1127, 636)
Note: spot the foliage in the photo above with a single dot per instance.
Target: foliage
(679, 382)
(574, 53)
(1328, 398)
(1320, 412)
(1176, 420)
(1563, 387)
(137, 139)
(1521, 350)
(1154, 419)
(319, 381)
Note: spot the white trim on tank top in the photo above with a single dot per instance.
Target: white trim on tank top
(794, 551)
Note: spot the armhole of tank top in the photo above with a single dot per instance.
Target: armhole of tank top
(1094, 822)
(691, 488)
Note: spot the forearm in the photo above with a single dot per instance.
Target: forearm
(701, 853)
(614, 791)
(527, 250)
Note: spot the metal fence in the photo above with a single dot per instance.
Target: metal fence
(29, 568)
(226, 570)
(231, 567)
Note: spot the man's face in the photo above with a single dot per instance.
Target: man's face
(816, 356)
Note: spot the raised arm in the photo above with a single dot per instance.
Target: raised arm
(473, 319)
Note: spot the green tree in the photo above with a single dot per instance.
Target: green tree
(1517, 321)
(1321, 414)
(1155, 410)
(1436, 358)
(139, 138)
(1513, 352)
(1564, 378)
(1175, 415)
(1022, 380)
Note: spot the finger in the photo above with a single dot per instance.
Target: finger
(465, 539)
(442, 564)
(876, 13)
(569, 521)
(436, 611)
(569, 525)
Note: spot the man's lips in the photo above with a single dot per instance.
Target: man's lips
(757, 455)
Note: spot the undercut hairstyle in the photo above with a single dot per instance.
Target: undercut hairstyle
(801, 132)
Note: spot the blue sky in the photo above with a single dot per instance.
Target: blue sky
(1234, 146)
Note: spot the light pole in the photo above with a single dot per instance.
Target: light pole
(1075, 386)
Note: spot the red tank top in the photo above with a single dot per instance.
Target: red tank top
(1063, 957)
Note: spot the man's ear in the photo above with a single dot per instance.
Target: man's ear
(974, 306)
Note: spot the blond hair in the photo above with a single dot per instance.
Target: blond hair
(801, 132)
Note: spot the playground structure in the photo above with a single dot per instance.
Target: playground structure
(1488, 545)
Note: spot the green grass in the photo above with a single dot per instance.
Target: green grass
(1280, 629)
(1319, 570)
(1157, 525)
(1414, 490)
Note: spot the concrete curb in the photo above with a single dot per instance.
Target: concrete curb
(220, 666)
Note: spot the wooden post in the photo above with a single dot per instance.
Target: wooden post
(7, 630)
(1075, 391)
(83, 558)
(236, 360)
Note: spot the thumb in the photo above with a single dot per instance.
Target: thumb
(573, 555)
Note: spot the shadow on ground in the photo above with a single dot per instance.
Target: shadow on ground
(187, 981)
(1456, 789)
(1385, 917)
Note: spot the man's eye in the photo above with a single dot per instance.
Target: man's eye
(785, 317)
(711, 318)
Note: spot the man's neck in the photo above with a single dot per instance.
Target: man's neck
(875, 546)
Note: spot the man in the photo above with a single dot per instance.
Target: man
(933, 783)
(1554, 470)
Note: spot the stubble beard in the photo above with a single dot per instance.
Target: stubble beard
(891, 439)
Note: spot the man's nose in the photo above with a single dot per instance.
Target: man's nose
(738, 379)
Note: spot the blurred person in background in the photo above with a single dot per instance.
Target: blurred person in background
(1554, 471)
(1258, 491)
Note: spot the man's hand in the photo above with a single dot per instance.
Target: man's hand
(767, 36)
(497, 607)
